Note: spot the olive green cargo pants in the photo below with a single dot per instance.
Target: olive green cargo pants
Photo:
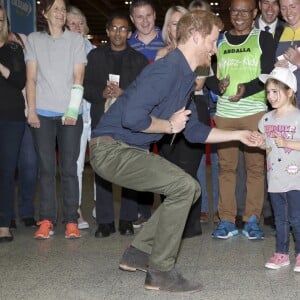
(141, 170)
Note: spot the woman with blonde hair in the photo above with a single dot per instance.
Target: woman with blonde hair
(76, 21)
(173, 14)
(12, 121)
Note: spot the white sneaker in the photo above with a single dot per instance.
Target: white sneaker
(297, 265)
(83, 225)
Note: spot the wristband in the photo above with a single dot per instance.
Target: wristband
(171, 126)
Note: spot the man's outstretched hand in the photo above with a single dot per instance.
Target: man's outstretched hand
(249, 138)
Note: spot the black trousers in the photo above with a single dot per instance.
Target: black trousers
(187, 156)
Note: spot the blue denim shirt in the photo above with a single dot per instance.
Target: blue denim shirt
(161, 89)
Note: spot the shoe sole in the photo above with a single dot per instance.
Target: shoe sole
(277, 267)
(137, 226)
(229, 235)
(128, 268)
(126, 233)
(246, 234)
(157, 288)
(297, 269)
(72, 236)
(83, 226)
(42, 237)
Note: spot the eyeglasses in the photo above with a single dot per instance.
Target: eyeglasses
(242, 12)
(118, 29)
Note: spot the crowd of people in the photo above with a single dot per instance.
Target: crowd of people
(146, 104)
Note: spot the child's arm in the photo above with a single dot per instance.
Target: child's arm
(283, 143)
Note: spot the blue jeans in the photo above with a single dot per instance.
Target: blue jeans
(105, 204)
(11, 134)
(201, 176)
(286, 208)
(67, 138)
(28, 174)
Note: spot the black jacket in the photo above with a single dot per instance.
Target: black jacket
(12, 102)
(278, 30)
(101, 63)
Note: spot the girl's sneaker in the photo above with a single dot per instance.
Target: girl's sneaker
(278, 260)
(297, 265)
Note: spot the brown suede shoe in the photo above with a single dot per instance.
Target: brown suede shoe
(134, 259)
(170, 281)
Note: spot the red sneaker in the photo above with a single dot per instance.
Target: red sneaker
(72, 231)
(45, 230)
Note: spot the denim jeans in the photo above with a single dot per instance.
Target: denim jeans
(85, 137)
(201, 175)
(11, 134)
(105, 203)
(67, 139)
(27, 176)
(286, 208)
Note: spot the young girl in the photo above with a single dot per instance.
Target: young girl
(280, 137)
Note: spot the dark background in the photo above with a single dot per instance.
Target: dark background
(97, 12)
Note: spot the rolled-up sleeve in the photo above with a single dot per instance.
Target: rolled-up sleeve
(150, 88)
(196, 131)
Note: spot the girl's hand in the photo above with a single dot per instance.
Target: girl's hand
(257, 139)
(280, 142)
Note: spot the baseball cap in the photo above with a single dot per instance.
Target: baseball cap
(283, 75)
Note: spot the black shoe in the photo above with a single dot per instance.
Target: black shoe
(13, 224)
(29, 222)
(134, 259)
(192, 230)
(170, 281)
(126, 227)
(5, 239)
(269, 221)
(105, 230)
(239, 222)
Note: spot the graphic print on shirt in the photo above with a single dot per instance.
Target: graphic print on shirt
(287, 132)
(283, 164)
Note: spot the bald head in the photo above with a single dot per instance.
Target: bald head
(242, 14)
